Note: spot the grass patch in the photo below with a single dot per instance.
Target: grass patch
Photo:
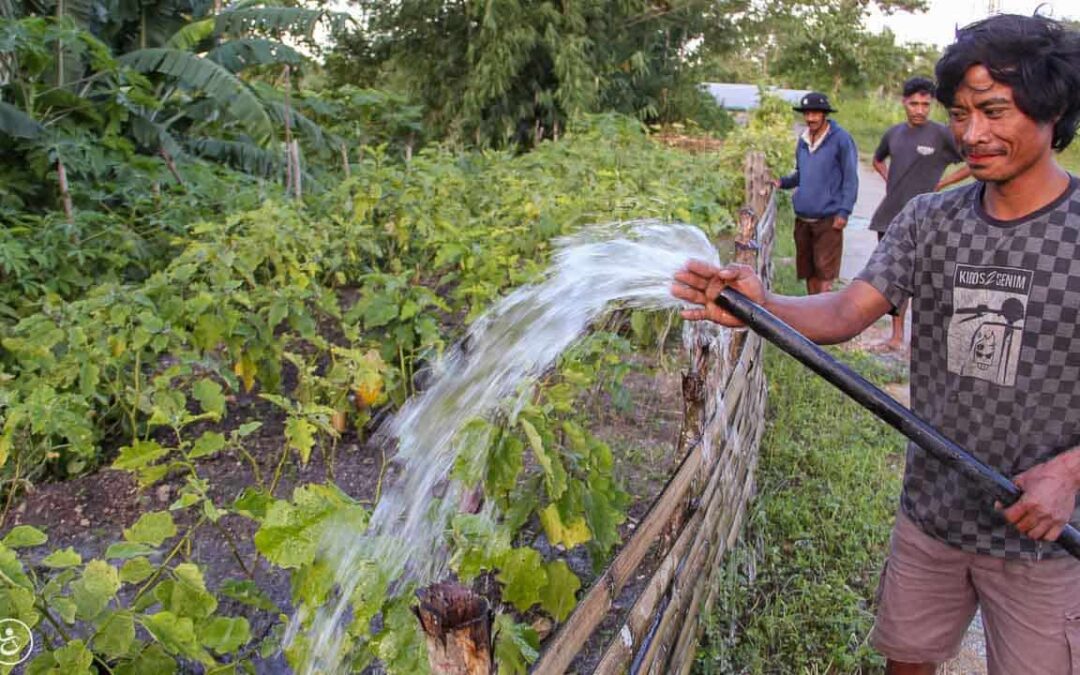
(797, 590)
(784, 243)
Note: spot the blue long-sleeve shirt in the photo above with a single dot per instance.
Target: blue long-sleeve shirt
(828, 178)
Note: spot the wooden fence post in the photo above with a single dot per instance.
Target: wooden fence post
(758, 183)
(457, 623)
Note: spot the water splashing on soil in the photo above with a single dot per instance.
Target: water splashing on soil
(492, 369)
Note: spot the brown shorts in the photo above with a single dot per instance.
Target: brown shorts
(928, 595)
(818, 248)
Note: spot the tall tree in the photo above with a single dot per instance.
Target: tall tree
(501, 70)
(821, 44)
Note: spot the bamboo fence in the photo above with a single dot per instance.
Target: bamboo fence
(699, 514)
(688, 528)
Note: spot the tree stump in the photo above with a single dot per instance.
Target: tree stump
(457, 623)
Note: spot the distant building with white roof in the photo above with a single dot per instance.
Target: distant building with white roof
(746, 96)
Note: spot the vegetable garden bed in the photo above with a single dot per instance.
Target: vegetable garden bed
(216, 390)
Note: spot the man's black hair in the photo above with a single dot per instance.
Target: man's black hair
(919, 85)
(1037, 57)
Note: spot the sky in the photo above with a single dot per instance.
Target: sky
(937, 25)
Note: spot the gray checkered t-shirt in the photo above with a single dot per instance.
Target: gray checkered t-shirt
(995, 354)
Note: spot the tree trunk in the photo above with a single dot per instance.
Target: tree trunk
(345, 161)
(59, 47)
(457, 623)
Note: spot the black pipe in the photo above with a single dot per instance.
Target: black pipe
(878, 402)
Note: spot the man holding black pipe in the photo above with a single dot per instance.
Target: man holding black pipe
(993, 273)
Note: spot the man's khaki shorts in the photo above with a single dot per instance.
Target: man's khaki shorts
(928, 595)
(818, 248)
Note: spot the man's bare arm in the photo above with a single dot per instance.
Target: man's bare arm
(826, 318)
(882, 168)
(829, 318)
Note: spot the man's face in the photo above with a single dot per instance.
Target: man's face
(917, 107)
(997, 139)
(815, 119)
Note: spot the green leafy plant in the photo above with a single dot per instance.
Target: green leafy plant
(122, 612)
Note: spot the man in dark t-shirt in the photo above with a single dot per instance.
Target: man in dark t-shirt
(918, 150)
(993, 273)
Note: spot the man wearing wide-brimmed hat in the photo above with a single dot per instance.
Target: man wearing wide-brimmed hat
(827, 177)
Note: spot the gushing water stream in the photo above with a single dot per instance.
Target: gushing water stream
(504, 353)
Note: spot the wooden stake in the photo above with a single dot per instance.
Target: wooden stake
(472, 500)
(457, 623)
(294, 157)
(65, 195)
(289, 175)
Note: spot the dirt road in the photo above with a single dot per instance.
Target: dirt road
(859, 240)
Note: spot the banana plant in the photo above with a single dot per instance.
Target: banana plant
(158, 77)
(206, 97)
